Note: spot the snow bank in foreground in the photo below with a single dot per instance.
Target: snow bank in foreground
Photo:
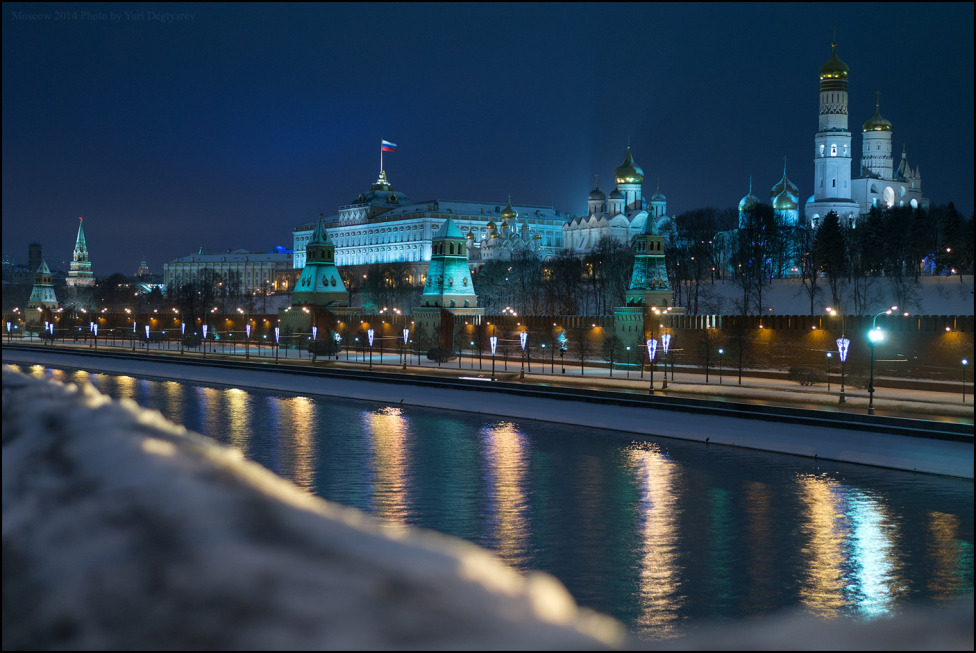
(123, 531)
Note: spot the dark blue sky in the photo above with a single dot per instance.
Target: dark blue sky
(227, 128)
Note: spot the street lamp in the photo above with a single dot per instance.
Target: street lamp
(842, 344)
(277, 342)
(494, 343)
(204, 328)
(315, 334)
(95, 340)
(628, 362)
(875, 335)
(829, 356)
(964, 364)
(147, 338)
(523, 337)
(720, 352)
(666, 342)
(651, 352)
(369, 334)
(406, 339)
(562, 350)
(247, 342)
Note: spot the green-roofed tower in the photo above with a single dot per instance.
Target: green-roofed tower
(320, 283)
(80, 271)
(649, 284)
(448, 276)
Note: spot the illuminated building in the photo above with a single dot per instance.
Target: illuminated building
(239, 270)
(42, 295)
(622, 216)
(383, 225)
(80, 271)
(879, 183)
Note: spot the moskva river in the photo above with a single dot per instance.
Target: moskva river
(664, 535)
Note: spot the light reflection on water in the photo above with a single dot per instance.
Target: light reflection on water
(661, 535)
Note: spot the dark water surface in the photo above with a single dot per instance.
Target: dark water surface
(663, 535)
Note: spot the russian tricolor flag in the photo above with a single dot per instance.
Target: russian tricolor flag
(387, 146)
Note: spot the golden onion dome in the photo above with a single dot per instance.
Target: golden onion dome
(748, 203)
(783, 202)
(470, 236)
(833, 74)
(784, 185)
(877, 123)
(508, 213)
(491, 225)
(629, 172)
(834, 68)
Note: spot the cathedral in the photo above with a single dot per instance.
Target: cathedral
(621, 216)
(878, 182)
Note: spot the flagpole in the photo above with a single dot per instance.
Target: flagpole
(381, 156)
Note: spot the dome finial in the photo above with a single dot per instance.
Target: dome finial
(597, 181)
(833, 41)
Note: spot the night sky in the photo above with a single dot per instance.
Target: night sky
(227, 128)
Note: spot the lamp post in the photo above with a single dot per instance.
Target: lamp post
(277, 341)
(720, 352)
(406, 339)
(95, 340)
(829, 356)
(494, 343)
(842, 344)
(369, 334)
(204, 329)
(875, 335)
(247, 342)
(147, 338)
(628, 362)
(666, 343)
(651, 352)
(562, 351)
(134, 327)
(964, 363)
(523, 337)
(315, 334)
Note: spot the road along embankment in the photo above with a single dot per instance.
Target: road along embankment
(896, 443)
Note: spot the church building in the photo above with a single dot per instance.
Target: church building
(879, 183)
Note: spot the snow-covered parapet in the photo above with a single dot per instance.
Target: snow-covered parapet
(123, 531)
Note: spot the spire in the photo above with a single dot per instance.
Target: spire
(81, 233)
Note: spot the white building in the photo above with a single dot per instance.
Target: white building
(383, 226)
(621, 216)
(241, 270)
(879, 184)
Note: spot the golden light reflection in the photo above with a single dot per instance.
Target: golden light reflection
(125, 387)
(298, 419)
(387, 430)
(173, 393)
(211, 416)
(506, 458)
(238, 417)
(851, 555)
(948, 556)
(825, 528)
(658, 514)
